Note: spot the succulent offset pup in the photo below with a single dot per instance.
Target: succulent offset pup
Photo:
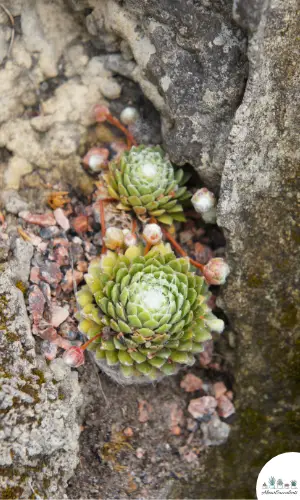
(144, 180)
(152, 312)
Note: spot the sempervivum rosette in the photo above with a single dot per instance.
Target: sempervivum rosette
(144, 180)
(151, 309)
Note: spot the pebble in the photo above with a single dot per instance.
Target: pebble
(225, 407)
(50, 272)
(140, 453)
(67, 331)
(128, 432)
(61, 255)
(202, 407)
(49, 350)
(49, 233)
(202, 253)
(144, 409)
(82, 266)
(36, 304)
(81, 224)
(219, 388)
(43, 220)
(191, 383)
(59, 315)
(61, 219)
(192, 425)
(215, 432)
(67, 282)
(176, 419)
(205, 357)
(35, 275)
(96, 159)
(49, 333)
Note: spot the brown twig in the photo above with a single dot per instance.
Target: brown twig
(86, 344)
(147, 248)
(129, 137)
(12, 21)
(102, 222)
(180, 250)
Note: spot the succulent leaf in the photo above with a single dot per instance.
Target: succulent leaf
(154, 309)
(145, 180)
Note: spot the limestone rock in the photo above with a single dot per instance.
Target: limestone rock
(39, 428)
(189, 59)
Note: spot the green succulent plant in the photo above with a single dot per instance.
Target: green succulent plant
(151, 309)
(144, 180)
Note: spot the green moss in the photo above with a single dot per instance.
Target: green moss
(11, 337)
(255, 280)
(21, 286)
(28, 389)
(46, 483)
(40, 374)
(11, 493)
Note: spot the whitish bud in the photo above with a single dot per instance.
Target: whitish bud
(215, 324)
(203, 200)
(210, 217)
(152, 233)
(96, 159)
(129, 115)
(114, 238)
(73, 357)
(130, 238)
(216, 271)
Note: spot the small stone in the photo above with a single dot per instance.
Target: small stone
(203, 253)
(48, 349)
(129, 115)
(188, 455)
(35, 275)
(186, 237)
(82, 266)
(176, 419)
(191, 425)
(61, 219)
(96, 159)
(13, 202)
(61, 255)
(225, 407)
(48, 333)
(43, 220)
(50, 232)
(67, 331)
(140, 453)
(205, 357)
(36, 304)
(50, 272)
(59, 315)
(219, 388)
(81, 224)
(34, 239)
(45, 287)
(144, 409)
(215, 432)
(67, 282)
(229, 394)
(128, 432)
(191, 383)
(202, 407)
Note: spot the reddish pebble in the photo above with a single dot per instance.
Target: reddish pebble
(225, 407)
(48, 333)
(128, 432)
(44, 220)
(219, 389)
(176, 419)
(59, 315)
(101, 113)
(61, 255)
(82, 266)
(50, 272)
(81, 224)
(191, 383)
(202, 253)
(144, 409)
(96, 158)
(61, 241)
(201, 407)
(63, 343)
(36, 303)
(67, 283)
(61, 219)
(140, 453)
(34, 275)
(205, 357)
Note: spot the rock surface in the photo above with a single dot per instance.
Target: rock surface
(257, 209)
(189, 59)
(38, 404)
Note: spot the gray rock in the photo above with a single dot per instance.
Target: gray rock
(215, 432)
(189, 59)
(39, 428)
(258, 211)
(13, 202)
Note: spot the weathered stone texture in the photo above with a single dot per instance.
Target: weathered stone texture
(189, 58)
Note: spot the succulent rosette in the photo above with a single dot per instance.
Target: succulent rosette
(145, 181)
(152, 312)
